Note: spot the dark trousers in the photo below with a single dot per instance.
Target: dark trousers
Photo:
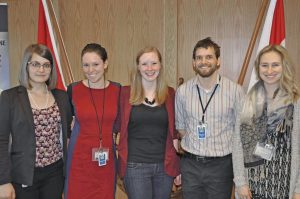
(47, 183)
(207, 178)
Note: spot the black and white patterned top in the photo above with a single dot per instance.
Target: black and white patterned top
(271, 180)
(47, 123)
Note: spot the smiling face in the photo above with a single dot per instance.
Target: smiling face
(38, 75)
(205, 63)
(93, 67)
(149, 67)
(270, 68)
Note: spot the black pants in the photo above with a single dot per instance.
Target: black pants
(207, 179)
(47, 183)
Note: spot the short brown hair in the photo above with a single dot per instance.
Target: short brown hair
(205, 43)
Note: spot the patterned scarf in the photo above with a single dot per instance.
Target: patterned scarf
(256, 130)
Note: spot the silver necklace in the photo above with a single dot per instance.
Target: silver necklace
(34, 102)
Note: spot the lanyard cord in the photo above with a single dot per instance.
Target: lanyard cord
(204, 108)
(95, 108)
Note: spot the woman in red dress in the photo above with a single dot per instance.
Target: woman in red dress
(91, 150)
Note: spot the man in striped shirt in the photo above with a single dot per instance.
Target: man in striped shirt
(205, 117)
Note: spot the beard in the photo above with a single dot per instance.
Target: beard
(206, 72)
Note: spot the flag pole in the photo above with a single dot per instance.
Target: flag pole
(252, 41)
(64, 54)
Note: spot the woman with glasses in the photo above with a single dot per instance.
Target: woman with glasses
(35, 117)
(91, 151)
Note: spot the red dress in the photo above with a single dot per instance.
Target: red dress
(85, 179)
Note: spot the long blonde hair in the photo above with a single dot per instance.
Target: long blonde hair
(137, 92)
(255, 99)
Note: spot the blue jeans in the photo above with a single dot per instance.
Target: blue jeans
(147, 181)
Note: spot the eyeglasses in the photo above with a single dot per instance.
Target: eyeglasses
(37, 65)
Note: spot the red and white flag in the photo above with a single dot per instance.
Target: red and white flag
(46, 37)
(273, 31)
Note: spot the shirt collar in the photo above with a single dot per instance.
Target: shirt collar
(196, 82)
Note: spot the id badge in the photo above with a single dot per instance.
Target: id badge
(102, 158)
(202, 131)
(265, 151)
(101, 155)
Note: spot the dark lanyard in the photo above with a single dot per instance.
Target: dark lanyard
(94, 105)
(204, 108)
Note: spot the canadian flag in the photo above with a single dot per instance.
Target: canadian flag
(273, 31)
(46, 37)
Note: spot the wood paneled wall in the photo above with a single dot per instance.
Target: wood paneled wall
(228, 23)
(122, 27)
(174, 26)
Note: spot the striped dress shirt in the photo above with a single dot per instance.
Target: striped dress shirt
(220, 116)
